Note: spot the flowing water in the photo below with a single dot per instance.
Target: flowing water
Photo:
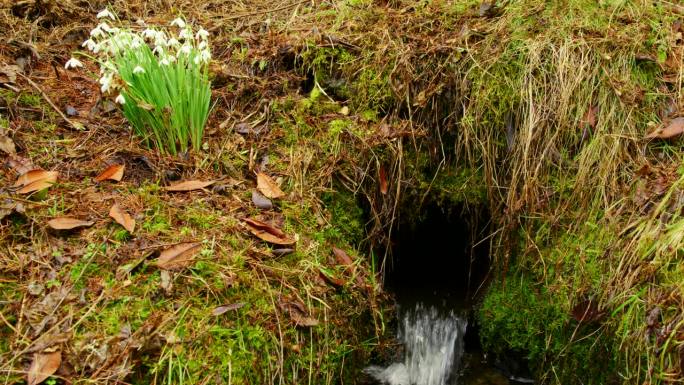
(433, 343)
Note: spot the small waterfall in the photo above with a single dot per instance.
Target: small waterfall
(433, 343)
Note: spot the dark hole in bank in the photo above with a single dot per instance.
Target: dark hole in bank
(441, 258)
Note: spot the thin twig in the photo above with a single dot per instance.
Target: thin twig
(76, 125)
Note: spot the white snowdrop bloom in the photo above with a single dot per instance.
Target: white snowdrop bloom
(172, 42)
(73, 63)
(160, 39)
(106, 82)
(185, 34)
(158, 50)
(140, 22)
(202, 34)
(149, 33)
(202, 45)
(185, 49)
(105, 13)
(89, 44)
(97, 32)
(97, 48)
(136, 43)
(138, 70)
(179, 22)
(197, 59)
(164, 62)
(105, 27)
(206, 55)
(120, 99)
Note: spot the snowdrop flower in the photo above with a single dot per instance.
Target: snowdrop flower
(97, 32)
(138, 70)
(202, 45)
(149, 33)
(140, 22)
(73, 63)
(172, 42)
(202, 34)
(89, 44)
(106, 82)
(105, 27)
(158, 50)
(136, 43)
(185, 34)
(205, 55)
(105, 13)
(120, 99)
(164, 62)
(160, 39)
(185, 49)
(179, 22)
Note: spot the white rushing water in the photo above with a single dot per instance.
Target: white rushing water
(433, 343)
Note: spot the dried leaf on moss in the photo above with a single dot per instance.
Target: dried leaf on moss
(122, 218)
(189, 185)
(674, 128)
(43, 366)
(268, 233)
(268, 187)
(114, 172)
(68, 223)
(179, 256)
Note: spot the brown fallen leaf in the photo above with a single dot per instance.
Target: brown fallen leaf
(43, 366)
(121, 217)
(225, 308)
(6, 143)
(114, 172)
(34, 176)
(673, 128)
(342, 257)
(267, 232)
(268, 187)
(298, 313)
(68, 223)
(383, 180)
(19, 164)
(590, 117)
(330, 278)
(190, 185)
(179, 256)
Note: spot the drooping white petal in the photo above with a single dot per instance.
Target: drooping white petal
(149, 33)
(164, 62)
(105, 13)
(202, 34)
(120, 99)
(185, 34)
(97, 32)
(138, 70)
(179, 22)
(73, 63)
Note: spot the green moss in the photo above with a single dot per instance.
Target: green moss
(525, 317)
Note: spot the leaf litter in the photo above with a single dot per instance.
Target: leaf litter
(122, 217)
(178, 256)
(114, 172)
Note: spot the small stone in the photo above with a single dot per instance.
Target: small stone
(261, 201)
(36, 288)
(71, 111)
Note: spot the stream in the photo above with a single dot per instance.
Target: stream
(436, 271)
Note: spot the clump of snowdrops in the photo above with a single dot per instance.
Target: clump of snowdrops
(158, 75)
